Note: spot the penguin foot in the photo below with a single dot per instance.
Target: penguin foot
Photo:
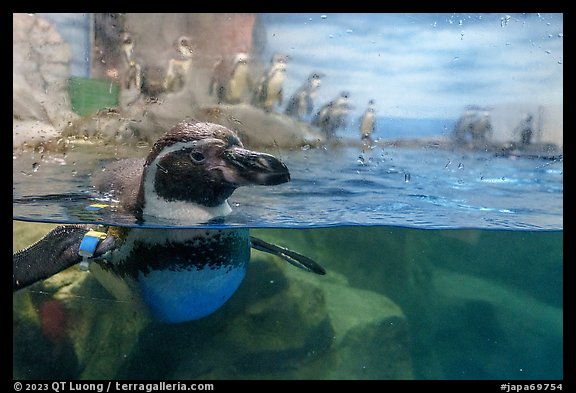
(289, 256)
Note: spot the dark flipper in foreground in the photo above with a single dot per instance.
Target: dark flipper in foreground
(290, 256)
(56, 251)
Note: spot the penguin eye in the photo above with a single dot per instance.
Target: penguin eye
(197, 157)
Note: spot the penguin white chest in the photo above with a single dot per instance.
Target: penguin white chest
(238, 86)
(275, 87)
(180, 274)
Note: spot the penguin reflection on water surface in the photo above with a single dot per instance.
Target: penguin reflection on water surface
(179, 274)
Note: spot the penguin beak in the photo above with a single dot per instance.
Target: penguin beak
(247, 167)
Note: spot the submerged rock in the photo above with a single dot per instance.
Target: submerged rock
(282, 323)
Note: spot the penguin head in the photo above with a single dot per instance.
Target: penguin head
(241, 58)
(127, 39)
(315, 80)
(192, 170)
(279, 58)
(185, 46)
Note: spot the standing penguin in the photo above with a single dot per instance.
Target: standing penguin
(332, 115)
(217, 85)
(132, 75)
(177, 274)
(368, 123)
(179, 66)
(231, 82)
(239, 84)
(269, 92)
(301, 103)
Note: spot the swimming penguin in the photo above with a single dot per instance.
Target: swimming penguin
(177, 274)
(332, 115)
(269, 93)
(179, 65)
(368, 122)
(301, 103)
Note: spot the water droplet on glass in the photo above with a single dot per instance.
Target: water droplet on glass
(560, 35)
(330, 35)
(548, 52)
(35, 167)
(460, 22)
(460, 166)
(407, 177)
(74, 172)
(323, 16)
(306, 147)
(361, 160)
(349, 31)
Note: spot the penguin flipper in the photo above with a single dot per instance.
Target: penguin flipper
(290, 256)
(56, 251)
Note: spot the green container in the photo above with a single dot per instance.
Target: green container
(88, 96)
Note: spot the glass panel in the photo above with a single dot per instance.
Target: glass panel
(417, 157)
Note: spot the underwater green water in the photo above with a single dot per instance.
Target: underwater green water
(396, 303)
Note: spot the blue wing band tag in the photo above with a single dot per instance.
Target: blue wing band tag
(88, 246)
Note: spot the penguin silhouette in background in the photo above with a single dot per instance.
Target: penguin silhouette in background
(368, 123)
(179, 66)
(217, 85)
(332, 115)
(301, 103)
(269, 92)
(177, 274)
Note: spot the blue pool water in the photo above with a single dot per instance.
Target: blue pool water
(422, 188)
